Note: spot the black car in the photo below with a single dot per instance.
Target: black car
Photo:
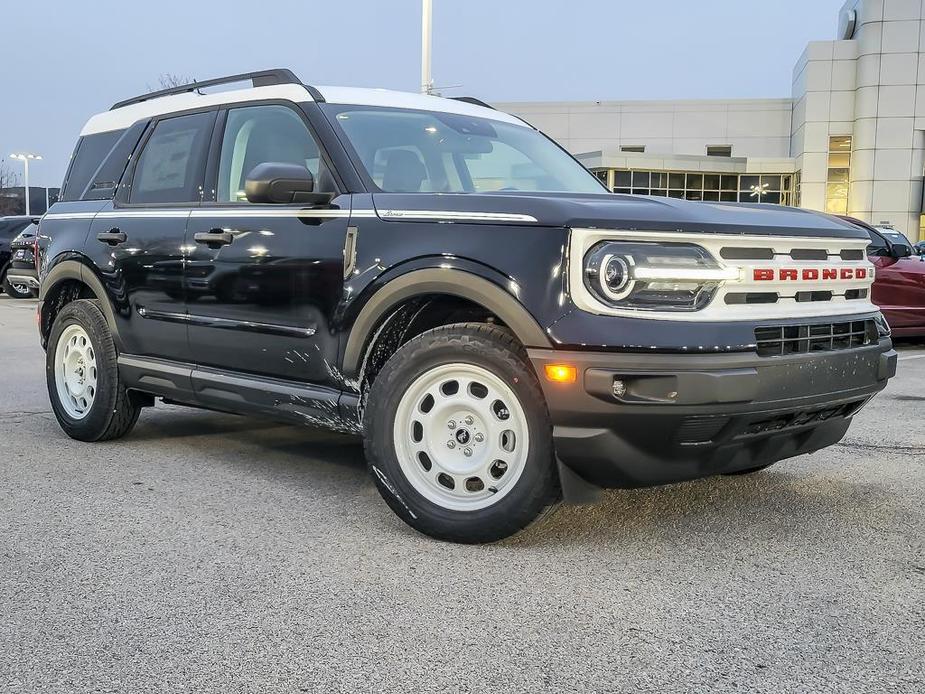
(22, 272)
(446, 281)
(13, 231)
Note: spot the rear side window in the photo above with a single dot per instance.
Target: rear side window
(90, 153)
(171, 165)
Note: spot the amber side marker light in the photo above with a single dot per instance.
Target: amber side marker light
(561, 373)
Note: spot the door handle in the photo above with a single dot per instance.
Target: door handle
(214, 238)
(113, 237)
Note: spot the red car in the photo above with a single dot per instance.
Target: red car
(899, 286)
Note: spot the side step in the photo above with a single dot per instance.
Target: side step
(240, 393)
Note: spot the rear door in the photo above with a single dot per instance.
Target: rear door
(137, 239)
(263, 294)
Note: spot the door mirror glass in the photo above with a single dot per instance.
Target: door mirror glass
(900, 250)
(275, 182)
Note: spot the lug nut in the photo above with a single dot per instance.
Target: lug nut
(469, 419)
(479, 438)
(467, 452)
(451, 425)
(451, 444)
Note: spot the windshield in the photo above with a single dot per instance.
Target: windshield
(407, 151)
(894, 236)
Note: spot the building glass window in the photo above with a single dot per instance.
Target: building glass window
(774, 189)
(838, 175)
(719, 150)
(633, 148)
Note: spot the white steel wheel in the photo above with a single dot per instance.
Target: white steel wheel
(461, 437)
(75, 371)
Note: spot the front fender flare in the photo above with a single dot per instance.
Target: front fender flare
(439, 281)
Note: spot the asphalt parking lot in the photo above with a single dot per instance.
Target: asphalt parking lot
(207, 552)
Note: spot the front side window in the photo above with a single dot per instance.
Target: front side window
(171, 165)
(264, 134)
(409, 151)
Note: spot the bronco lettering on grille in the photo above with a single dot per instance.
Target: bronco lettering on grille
(809, 274)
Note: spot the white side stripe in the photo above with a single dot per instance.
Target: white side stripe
(264, 212)
(200, 212)
(70, 215)
(458, 216)
(132, 214)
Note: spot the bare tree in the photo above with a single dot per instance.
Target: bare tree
(166, 80)
(9, 203)
(169, 79)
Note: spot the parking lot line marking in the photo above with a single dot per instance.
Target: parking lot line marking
(912, 356)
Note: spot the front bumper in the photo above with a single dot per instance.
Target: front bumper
(684, 416)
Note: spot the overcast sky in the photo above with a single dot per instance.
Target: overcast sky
(66, 60)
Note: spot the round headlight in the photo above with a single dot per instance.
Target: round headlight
(615, 273)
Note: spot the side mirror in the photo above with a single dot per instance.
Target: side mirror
(900, 250)
(275, 182)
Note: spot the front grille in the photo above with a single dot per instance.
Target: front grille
(695, 430)
(778, 340)
(802, 418)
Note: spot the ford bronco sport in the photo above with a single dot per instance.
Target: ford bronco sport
(443, 279)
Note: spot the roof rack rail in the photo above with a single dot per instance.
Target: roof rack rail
(262, 78)
(472, 100)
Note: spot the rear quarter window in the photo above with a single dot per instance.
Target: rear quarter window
(90, 152)
(107, 177)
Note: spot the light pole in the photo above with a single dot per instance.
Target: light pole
(25, 158)
(427, 18)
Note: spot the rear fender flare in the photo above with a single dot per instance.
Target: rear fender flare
(70, 270)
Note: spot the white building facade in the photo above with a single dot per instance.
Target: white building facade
(849, 140)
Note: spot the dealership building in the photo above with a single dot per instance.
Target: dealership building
(850, 139)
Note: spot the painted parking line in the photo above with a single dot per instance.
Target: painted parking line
(912, 356)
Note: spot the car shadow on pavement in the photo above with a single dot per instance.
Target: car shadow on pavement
(777, 506)
(278, 444)
(764, 507)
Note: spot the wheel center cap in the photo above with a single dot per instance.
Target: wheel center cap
(462, 436)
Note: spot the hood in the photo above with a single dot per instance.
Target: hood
(914, 264)
(627, 212)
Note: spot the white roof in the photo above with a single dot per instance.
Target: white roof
(121, 118)
(421, 102)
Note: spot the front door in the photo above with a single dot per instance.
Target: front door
(263, 280)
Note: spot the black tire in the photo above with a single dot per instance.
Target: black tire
(15, 293)
(497, 351)
(113, 412)
(748, 471)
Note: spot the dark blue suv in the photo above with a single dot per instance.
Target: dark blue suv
(444, 280)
